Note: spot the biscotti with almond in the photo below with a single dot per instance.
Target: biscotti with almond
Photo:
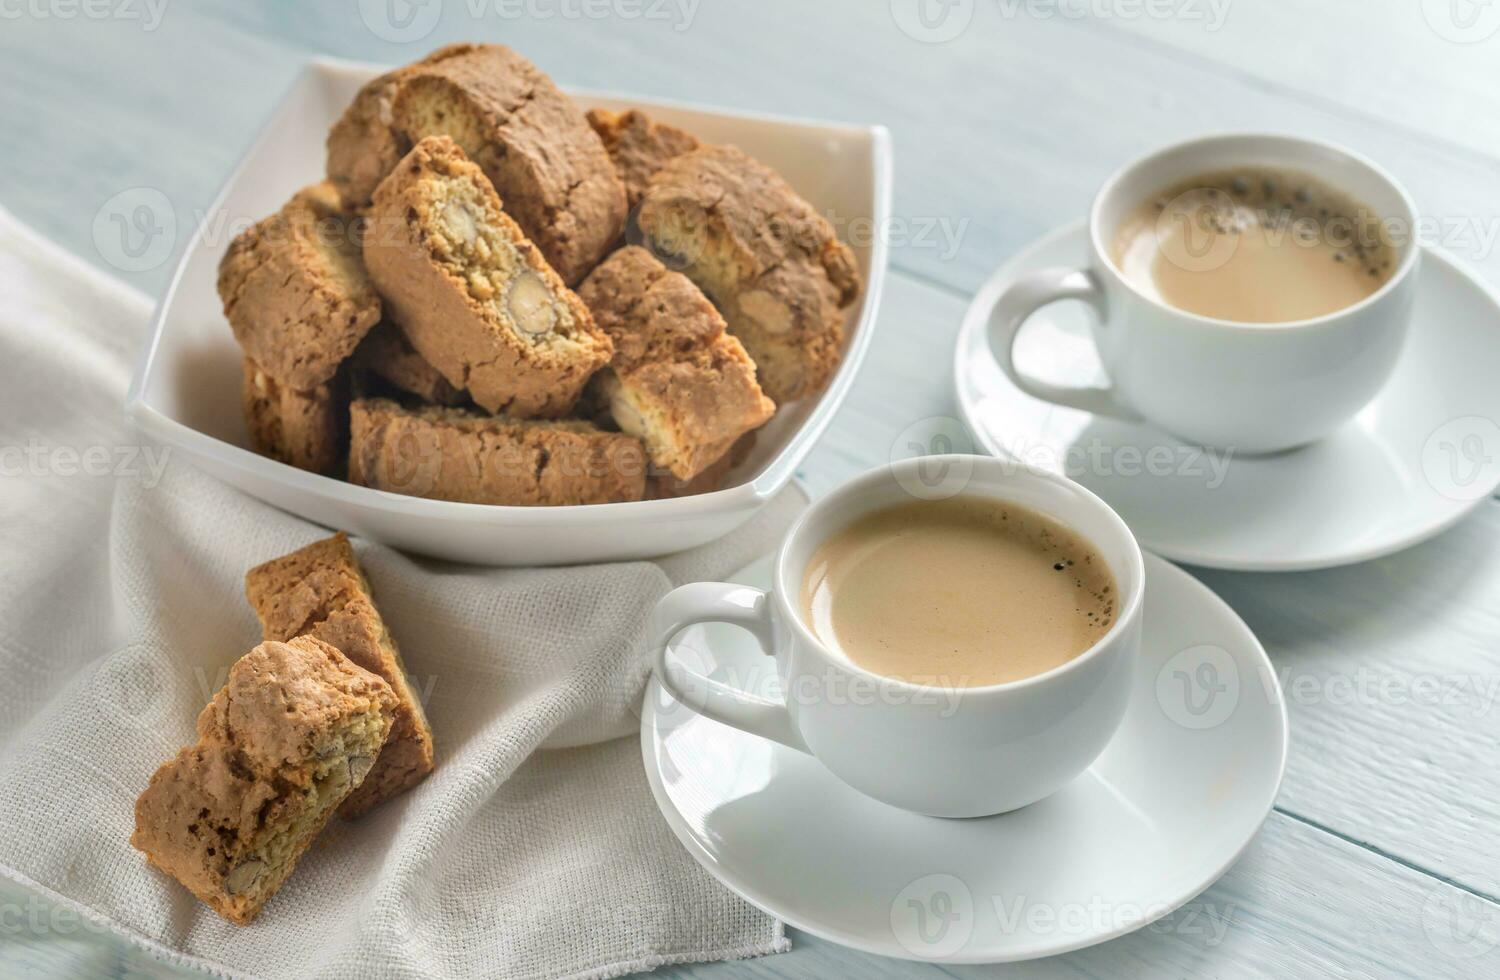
(472, 294)
(321, 591)
(767, 259)
(638, 146)
(715, 476)
(533, 143)
(677, 379)
(295, 291)
(284, 742)
(453, 454)
(388, 355)
(305, 429)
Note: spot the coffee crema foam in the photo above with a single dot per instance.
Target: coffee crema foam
(1254, 246)
(963, 592)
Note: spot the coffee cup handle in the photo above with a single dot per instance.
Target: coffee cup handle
(1014, 307)
(738, 605)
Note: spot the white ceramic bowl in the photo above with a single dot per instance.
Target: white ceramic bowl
(185, 393)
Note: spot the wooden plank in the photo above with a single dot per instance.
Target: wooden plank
(1299, 903)
(1431, 67)
(1001, 134)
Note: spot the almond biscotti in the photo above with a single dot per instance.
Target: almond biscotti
(321, 591)
(452, 454)
(305, 429)
(771, 263)
(713, 477)
(677, 380)
(288, 738)
(474, 297)
(638, 146)
(389, 356)
(547, 164)
(295, 291)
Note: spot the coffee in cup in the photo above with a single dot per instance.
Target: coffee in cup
(962, 592)
(1254, 245)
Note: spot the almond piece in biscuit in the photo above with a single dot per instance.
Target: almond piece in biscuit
(452, 454)
(295, 290)
(472, 294)
(677, 380)
(768, 260)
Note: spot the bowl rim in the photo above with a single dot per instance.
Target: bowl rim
(772, 477)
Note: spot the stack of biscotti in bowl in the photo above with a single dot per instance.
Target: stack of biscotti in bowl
(317, 719)
(496, 299)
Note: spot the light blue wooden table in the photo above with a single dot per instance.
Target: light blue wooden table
(1383, 855)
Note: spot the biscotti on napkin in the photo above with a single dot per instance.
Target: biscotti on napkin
(321, 591)
(292, 734)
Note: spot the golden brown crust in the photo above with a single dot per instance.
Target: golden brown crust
(638, 146)
(305, 429)
(767, 259)
(321, 591)
(389, 356)
(474, 297)
(295, 291)
(713, 477)
(451, 454)
(535, 146)
(677, 381)
(286, 740)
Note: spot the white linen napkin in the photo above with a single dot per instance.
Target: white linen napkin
(534, 849)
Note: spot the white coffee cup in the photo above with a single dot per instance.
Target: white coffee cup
(959, 752)
(1245, 387)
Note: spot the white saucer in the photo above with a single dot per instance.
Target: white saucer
(1415, 461)
(1164, 811)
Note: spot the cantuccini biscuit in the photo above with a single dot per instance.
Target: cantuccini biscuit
(321, 591)
(771, 263)
(713, 477)
(474, 297)
(288, 738)
(295, 291)
(389, 356)
(677, 380)
(452, 454)
(547, 164)
(305, 429)
(638, 146)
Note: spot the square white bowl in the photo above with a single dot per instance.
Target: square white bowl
(185, 393)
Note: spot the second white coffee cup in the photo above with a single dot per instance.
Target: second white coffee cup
(962, 752)
(1245, 387)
